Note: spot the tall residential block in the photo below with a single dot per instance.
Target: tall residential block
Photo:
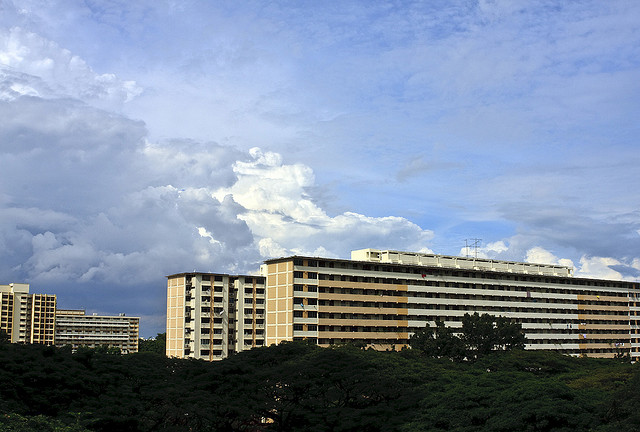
(75, 328)
(25, 317)
(379, 298)
(211, 315)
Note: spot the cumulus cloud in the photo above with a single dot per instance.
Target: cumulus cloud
(32, 65)
(608, 268)
(589, 266)
(88, 203)
(114, 207)
(282, 215)
(538, 255)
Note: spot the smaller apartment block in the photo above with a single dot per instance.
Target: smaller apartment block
(379, 298)
(33, 318)
(210, 315)
(75, 328)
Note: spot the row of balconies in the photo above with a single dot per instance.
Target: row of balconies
(71, 323)
(91, 337)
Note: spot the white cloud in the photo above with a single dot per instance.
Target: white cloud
(589, 266)
(270, 248)
(539, 255)
(282, 215)
(88, 203)
(608, 268)
(32, 65)
(206, 234)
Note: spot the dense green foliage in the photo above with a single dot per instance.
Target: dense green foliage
(156, 344)
(301, 387)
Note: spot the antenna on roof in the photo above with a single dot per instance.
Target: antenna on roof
(475, 242)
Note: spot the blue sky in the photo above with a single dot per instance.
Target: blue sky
(141, 139)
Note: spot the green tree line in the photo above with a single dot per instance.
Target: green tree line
(301, 387)
(478, 336)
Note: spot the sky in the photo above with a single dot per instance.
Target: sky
(143, 139)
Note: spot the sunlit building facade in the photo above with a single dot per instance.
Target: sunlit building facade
(25, 317)
(379, 298)
(211, 315)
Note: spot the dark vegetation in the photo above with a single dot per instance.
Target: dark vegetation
(301, 387)
(156, 344)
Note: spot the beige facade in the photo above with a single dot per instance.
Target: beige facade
(43, 319)
(211, 315)
(379, 298)
(25, 317)
(75, 328)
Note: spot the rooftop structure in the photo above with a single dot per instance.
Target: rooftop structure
(415, 258)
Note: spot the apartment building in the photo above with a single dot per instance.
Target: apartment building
(25, 317)
(212, 315)
(380, 297)
(34, 318)
(75, 328)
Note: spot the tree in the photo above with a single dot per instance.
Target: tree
(485, 333)
(478, 334)
(481, 334)
(438, 342)
(510, 335)
(156, 345)
(19, 423)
